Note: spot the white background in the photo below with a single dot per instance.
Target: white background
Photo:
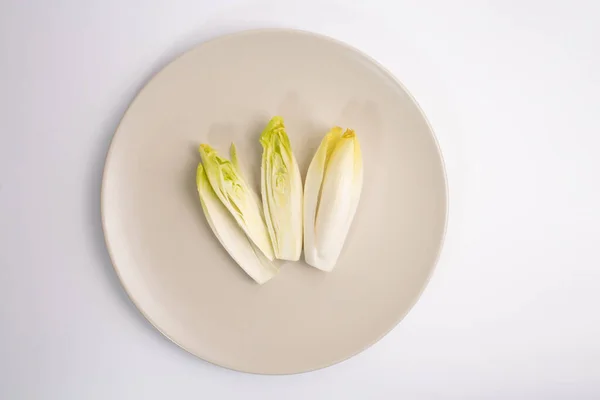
(511, 89)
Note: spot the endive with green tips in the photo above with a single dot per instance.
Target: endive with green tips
(234, 214)
(281, 189)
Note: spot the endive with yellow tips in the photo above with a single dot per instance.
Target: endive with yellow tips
(331, 194)
(230, 234)
(281, 189)
(235, 194)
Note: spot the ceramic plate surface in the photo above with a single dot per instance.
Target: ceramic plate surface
(173, 267)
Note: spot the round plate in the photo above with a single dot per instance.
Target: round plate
(173, 267)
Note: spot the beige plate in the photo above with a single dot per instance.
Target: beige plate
(172, 266)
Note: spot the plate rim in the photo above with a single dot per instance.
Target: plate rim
(315, 35)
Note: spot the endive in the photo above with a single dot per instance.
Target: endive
(281, 189)
(331, 194)
(235, 194)
(230, 235)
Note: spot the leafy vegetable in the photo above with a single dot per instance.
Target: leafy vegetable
(281, 189)
(235, 194)
(331, 195)
(230, 235)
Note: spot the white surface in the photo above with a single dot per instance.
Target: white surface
(510, 88)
